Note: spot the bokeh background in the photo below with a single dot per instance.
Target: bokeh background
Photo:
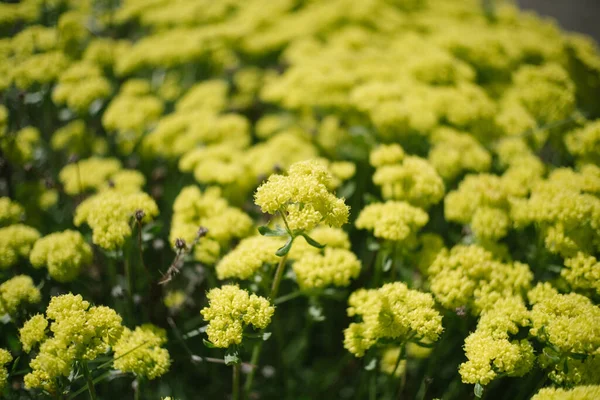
(574, 15)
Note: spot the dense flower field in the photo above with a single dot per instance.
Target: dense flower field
(297, 199)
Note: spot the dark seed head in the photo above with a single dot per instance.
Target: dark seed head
(139, 215)
(180, 244)
(202, 231)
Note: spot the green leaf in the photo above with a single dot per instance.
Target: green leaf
(370, 366)
(478, 390)
(266, 231)
(232, 356)
(313, 242)
(551, 354)
(283, 250)
(208, 344)
(387, 264)
(315, 312)
(347, 190)
(373, 244)
(578, 356)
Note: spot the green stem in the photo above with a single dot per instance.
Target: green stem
(235, 391)
(254, 363)
(287, 297)
(373, 386)
(257, 349)
(90, 382)
(278, 276)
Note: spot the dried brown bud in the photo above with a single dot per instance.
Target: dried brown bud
(139, 215)
(180, 244)
(203, 231)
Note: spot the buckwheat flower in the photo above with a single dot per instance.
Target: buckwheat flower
(390, 312)
(5, 358)
(10, 211)
(77, 332)
(454, 153)
(33, 332)
(584, 143)
(63, 253)
(491, 351)
(109, 214)
(546, 91)
(40, 68)
(334, 267)
(88, 174)
(80, 85)
(16, 242)
(570, 322)
(17, 292)
(490, 223)
(72, 138)
(430, 245)
(388, 362)
(393, 220)
(410, 178)
(21, 147)
(174, 299)
(140, 352)
(230, 310)
(194, 208)
(565, 209)
(130, 114)
(470, 276)
(584, 392)
(248, 256)
(302, 197)
(568, 325)
(582, 272)
(279, 152)
(210, 95)
(125, 181)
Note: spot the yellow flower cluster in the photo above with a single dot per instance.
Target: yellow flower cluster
(570, 325)
(584, 143)
(388, 362)
(140, 352)
(79, 332)
(131, 113)
(491, 351)
(16, 242)
(193, 209)
(110, 214)
(81, 85)
(390, 312)
(302, 197)
(484, 200)
(17, 292)
(454, 153)
(469, 276)
(584, 392)
(582, 272)
(10, 211)
(63, 253)
(566, 209)
(20, 147)
(5, 358)
(409, 178)
(334, 267)
(393, 220)
(230, 311)
(88, 174)
(248, 256)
